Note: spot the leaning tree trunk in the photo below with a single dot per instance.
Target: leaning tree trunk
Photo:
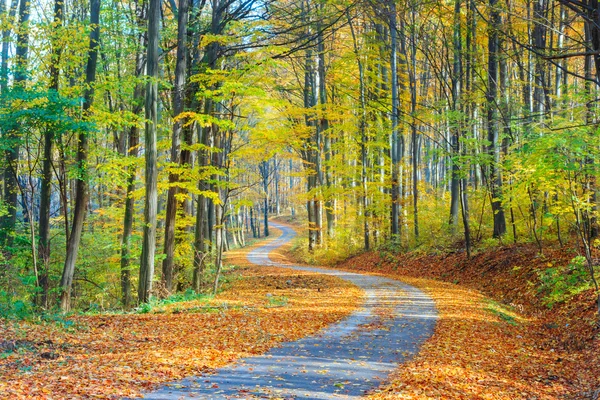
(81, 191)
(46, 184)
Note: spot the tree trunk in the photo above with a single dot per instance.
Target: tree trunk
(395, 142)
(494, 176)
(81, 191)
(456, 124)
(151, 202)
(134, 138)
(178, 107)
(324, 131)
(363, 137)
(6, 44)
(46, 181)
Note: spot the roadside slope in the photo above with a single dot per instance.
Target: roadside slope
(495, 338)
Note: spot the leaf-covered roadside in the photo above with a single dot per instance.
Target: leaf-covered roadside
(495, 338)
(110, 356)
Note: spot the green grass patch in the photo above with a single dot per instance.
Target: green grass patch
(504, 312)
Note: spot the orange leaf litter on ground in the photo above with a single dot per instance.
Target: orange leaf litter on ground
(110, 356)
(483, 349)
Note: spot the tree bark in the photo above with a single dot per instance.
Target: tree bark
(81, 191)
(151, 202)
(363, 137)
(494, 176)
(178, 108)
(456, 123)
(395, 142)
(46, 179)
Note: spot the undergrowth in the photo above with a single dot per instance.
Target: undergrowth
(559, 283)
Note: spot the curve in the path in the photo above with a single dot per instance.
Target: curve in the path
(343, 361)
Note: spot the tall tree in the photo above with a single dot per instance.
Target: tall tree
(395, 140)
(151, 200)
(132, 152)
(494, 176)
(46, 184)
(178, 107)
(362, 126)
(81, 190)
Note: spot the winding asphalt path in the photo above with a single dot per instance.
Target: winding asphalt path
(343, 361)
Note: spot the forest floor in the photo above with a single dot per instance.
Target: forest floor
(117, 355)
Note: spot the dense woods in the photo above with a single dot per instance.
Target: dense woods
(143, 139)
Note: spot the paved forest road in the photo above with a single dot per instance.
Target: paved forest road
(343, 361)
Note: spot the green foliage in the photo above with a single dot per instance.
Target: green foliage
(558, 284)
(12, 308)
(156, 305)
(504, 312)
(60, 320)
(188, 295)
(276, 301)
(39, 109)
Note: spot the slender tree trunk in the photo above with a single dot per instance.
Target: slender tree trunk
(132, 152)
(395, 142)
(363, 137)
(219, 246)
(495, 177)
(456, 122)
(323, 129)
(178, 108)
(81, 191)
(151, 202)
(265, 174)
(277, 192)
(128, 215)
(291, 188)
(266, 216)
(199, 245)
(592, 37)
(46, 181)
(12, 11)
(201, 230)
